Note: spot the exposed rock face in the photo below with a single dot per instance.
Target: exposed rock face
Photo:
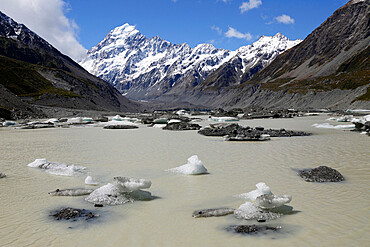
(321, 174)
(252, 229)
(330, 68)
(35, 72)
(73, 214)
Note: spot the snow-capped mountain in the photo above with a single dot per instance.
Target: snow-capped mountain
(143, 68)
(248, 60)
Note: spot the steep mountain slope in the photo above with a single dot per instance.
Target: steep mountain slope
(330, 68)
(335, 55)
(153, 68)
(247, 62)
(35, 71)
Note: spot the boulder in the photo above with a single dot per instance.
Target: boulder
(321, 174)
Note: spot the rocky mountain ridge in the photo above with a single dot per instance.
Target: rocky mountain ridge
(153, 68)
(33, 72)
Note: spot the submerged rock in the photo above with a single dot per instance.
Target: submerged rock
(215, 212)
(321, 174)
(182, 126)
(252, 229)
(73, 214)
(2, 175)
(71, 192)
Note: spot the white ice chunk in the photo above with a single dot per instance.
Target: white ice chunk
(132, 184)
(9, 123)
(90, 181)
(224, 119)
(193, 167)
(118, 122)
(272, 201)
(262, 189)
(108, 194)
(250, 211)
(329, 126)
(117, 118)
(57, 168)
(121, 191)
(174, 121)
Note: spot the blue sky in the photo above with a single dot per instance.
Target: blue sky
(75, 25)
(200, 21)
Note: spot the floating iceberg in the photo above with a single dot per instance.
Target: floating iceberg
(117, 118)
(362, 120)
(132, 184)
(193, 167)
(9, 123)
(57, 168)
(121, 191)
(224, 119)
(329, 126)
(269, 201)
(90, 181)
(250, 211)
(263, 204)
(262, 189)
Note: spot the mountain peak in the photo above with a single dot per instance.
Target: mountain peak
(124, 30)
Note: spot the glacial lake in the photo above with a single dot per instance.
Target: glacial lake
(326, 214)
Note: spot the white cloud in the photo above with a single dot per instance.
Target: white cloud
(233, 33)
(285, 19)
(252, 4)
(217, 29)
(47, 19)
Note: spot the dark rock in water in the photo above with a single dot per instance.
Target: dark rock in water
(321, 174)
(73, 214)
(234, 129)
(212, 212)
(37, 126)
(98, 205)
(120, 126)
(182, 126)
(252, 229)
(2, 175)
(359, 126)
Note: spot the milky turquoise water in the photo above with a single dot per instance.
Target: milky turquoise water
(333, 214)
